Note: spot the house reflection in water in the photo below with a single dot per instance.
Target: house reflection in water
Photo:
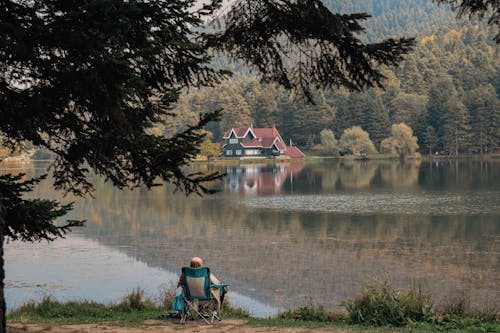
(260, 178)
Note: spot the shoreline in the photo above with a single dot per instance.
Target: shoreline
(379, 308)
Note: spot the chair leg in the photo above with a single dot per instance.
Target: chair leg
(215, 316)
(198, 313)
(185, 312)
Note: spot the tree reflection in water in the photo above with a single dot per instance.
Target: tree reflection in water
(288, 257)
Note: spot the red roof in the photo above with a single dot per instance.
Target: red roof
(264, 138)
(280, 145)
(265, 132)
(239, 131)
(267, 142)
(293, 152)
(253, 143)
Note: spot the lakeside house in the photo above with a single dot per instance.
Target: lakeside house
(250, 142)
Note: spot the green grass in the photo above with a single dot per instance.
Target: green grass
(380, 305)
(132, 310)
(379, 308)
(82, 312)
(313, 313)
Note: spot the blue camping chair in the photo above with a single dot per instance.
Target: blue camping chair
(196, 288)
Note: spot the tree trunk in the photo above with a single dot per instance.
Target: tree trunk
(3, 322)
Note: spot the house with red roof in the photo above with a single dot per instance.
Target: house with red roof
(250, 142)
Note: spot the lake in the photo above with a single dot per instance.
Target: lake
(282, 234)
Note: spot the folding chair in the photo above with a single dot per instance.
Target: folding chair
(196, 288)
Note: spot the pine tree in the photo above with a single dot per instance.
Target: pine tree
(431, 138)
(377, 120)
(484, 109)
(456, 128)
(439, 96)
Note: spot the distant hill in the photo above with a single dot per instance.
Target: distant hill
(399, 17)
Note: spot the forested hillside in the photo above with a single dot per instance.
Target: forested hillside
(447, 91)
(397, 17)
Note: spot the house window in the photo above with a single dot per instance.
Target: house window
(229, 152)
(252, 152)
(233, 140)
(238, 152)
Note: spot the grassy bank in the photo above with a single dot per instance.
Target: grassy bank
(379, 308)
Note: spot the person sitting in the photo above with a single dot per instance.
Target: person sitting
(197, 262)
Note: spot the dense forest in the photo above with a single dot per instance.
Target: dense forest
(447, 89)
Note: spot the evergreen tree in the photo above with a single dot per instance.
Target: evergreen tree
(411, 77)
(262, 102)
(310, 119)
(377, 120)
(439, 96)
(367, 111)
(407, 108)
(431, 138)
(456, 126)
(484, 109)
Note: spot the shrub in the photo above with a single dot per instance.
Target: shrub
(460, 309)
(136, 301)
(381, 305)
(355, 141)
(312, 313)
(166, 297)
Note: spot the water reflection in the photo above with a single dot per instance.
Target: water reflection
(260, 178)
(321, 232)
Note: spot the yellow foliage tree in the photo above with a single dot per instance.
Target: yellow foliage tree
(402, 141)
(356, 141)
(209, 148)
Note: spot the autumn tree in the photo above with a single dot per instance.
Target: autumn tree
(402, 141)
(480, 8)
(329, 142)
(355, 141)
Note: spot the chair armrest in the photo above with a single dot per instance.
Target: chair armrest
(220, 285)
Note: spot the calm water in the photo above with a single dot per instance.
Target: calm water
(283, 235)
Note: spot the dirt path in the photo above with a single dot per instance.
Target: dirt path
(164, 326)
